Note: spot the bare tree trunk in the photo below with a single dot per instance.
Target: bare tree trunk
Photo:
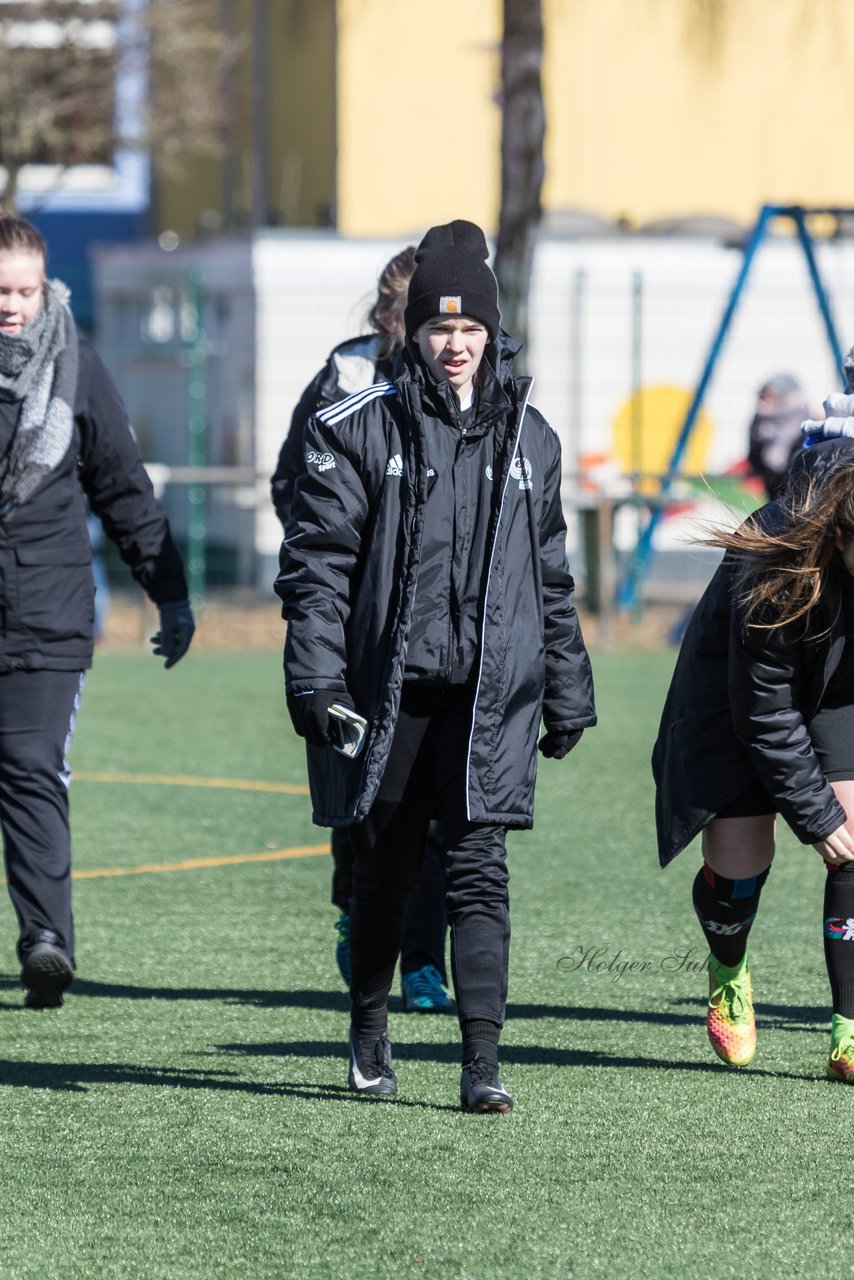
(522, 136)
(228, 89)
(9, 194)
(260, 215)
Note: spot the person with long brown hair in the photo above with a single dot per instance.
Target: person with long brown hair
(759, 720)
(355, 365)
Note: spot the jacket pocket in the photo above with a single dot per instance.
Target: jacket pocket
(55, 595)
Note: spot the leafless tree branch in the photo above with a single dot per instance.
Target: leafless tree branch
(58, 81)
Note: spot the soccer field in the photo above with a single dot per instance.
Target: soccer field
(185, 1115)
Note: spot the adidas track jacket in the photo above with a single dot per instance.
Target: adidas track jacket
(349, 567)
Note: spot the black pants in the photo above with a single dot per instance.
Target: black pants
(425, 778)
(426, 917)
(37, 711)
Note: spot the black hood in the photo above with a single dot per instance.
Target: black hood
(498, 360)
(499, 353)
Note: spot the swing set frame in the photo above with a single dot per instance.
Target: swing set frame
(629, 589)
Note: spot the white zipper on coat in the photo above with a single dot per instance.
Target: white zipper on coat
(486, 600)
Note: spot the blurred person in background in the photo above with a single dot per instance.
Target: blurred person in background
(64, 440)
(774, 437)
(353, 366)
(99, 576)
(425, 585)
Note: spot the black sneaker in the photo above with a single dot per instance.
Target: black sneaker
(371, 1072)
(480, 1088)
(46, 973)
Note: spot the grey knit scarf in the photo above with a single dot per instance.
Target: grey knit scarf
(38, 366)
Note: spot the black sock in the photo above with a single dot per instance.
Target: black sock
(374, 947)
(725, 909)
(839, 937)
(370, 1021)
(480, 1037)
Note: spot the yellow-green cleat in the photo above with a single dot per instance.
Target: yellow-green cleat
(840, 1064)
(730, 1021)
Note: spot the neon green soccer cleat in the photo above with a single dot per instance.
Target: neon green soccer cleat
(840, 1064)
(729, 1018)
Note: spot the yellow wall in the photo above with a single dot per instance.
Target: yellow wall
(418, 127)
(651, 116)
(301, 124)
(389, 106)
(302, 111)
(651, 111)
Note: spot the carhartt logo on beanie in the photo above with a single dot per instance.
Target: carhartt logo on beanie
(451, 278)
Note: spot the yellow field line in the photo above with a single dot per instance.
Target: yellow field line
(180, 780)
(194, 864)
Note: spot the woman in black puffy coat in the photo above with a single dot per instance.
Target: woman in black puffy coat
(356, 365)
(759, 720)
(425, 585)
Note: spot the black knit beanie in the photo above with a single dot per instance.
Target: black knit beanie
(451, 278)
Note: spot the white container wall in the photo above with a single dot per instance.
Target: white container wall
(620, 329)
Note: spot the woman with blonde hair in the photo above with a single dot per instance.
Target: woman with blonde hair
(759, 720)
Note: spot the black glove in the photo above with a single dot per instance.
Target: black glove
(176, 631)
(309, 713)
(557, 743)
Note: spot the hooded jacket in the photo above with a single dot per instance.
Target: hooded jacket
(349, 568)
(742, 698)
(352, 366)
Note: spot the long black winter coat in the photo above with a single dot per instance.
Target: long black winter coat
(349, 566)
(741, 701)
(46, 588)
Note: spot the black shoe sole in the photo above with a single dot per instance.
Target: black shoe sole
(373, 1095)
(496, 1107)
(47, 973)
(485, 1100)
(387, 1089)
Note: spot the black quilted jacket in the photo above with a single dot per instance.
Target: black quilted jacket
(741, 701)
(349, 565)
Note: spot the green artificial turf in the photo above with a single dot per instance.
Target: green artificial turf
(185, 1114)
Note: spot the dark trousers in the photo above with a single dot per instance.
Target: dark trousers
(425, 778)
(37, 711)
(426, 917)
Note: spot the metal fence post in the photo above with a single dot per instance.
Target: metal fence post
(197, 424)
(637, 373)
(575, 353)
